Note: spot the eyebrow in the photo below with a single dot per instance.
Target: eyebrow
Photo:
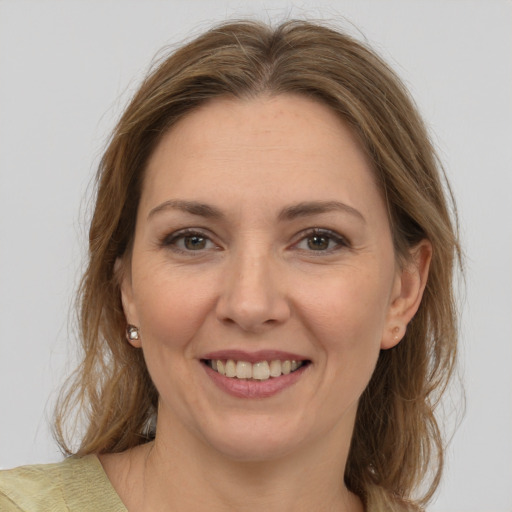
(317, 207)
(193, 207)
(292, 212)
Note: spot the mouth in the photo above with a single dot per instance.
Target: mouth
(258, 371)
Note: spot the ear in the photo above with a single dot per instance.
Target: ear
(410, 282)
(122, 272)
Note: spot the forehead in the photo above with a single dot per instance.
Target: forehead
(269, 148)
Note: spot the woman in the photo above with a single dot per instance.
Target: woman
(267, 316)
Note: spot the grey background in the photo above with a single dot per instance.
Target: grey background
(67, 68)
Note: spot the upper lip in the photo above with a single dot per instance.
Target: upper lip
(254, 357)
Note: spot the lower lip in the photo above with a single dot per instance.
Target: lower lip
(242, 388)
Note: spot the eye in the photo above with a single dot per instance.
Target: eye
(321, 240)
(188, 241)
(194, 242)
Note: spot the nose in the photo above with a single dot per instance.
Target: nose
(253, 293)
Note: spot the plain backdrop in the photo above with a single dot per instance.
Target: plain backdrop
(67, 68)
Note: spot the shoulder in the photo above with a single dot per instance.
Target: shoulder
(73, 485)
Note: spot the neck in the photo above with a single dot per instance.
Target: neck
(311, 478)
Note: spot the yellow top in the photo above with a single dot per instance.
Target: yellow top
(74, 485)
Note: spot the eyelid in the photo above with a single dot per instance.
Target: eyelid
(169, 240)
(340, 240)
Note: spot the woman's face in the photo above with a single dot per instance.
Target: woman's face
(262, 239)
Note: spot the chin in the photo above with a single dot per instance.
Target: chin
(255, 441)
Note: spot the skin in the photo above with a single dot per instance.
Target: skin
(257, 279)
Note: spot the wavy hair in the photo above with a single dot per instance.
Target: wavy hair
(396, 455)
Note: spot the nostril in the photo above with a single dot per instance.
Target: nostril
(252, 302)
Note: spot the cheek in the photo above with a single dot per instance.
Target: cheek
(171, 311)
(346, 316)
(171, 308)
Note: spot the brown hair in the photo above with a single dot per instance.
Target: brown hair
(396, 438)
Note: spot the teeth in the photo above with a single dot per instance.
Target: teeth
(243, 370)
(275, 368)
(230, 368)
(262, 370)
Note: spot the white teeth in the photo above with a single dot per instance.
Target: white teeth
(230, 368)
(262, 370)
(244, 370)
(275, 368)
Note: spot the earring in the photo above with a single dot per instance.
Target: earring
(132, 333)
(396, 330)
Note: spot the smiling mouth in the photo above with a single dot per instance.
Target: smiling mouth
(260, 371)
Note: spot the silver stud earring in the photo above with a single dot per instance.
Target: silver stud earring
(132, 333)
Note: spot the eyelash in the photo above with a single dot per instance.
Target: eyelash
(173, 239)
(340, 241)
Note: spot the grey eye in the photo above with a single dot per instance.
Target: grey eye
(188, 241)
